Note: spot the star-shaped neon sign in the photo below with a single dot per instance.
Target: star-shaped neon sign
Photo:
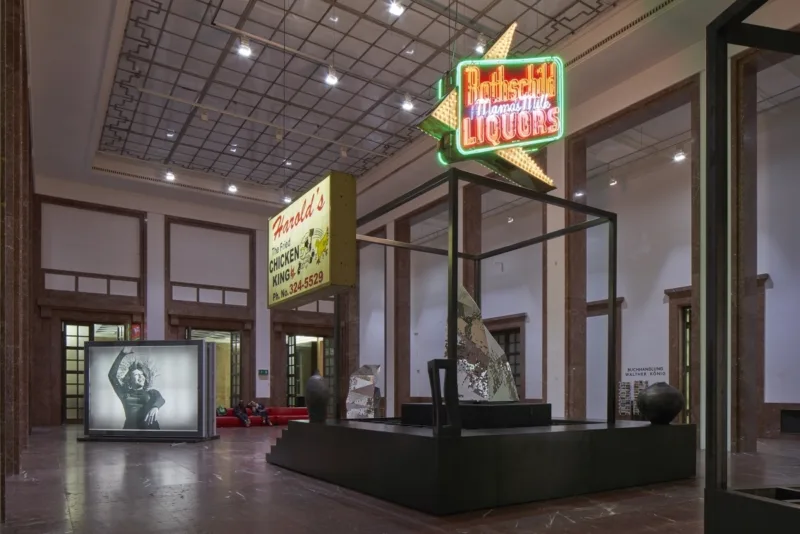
(494, 110)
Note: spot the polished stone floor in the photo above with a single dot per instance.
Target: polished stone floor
(226, 487)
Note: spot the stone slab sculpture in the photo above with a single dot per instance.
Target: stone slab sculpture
(484, 373)
(363, 395)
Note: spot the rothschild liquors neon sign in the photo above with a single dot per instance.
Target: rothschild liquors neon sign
(508, 103)
(494, 110)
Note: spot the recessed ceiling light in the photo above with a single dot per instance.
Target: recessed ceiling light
(578, 194)
(234, 147)
(287, 199)
(612, 182)
(679, 156)
(170, 134)
(396, 9)
(288, 163)
(408, 104)
(510, 220)
(332, 78)
(333, 18)
(480, 46)
(232, 188)
(170, 176)
(244, 49)
(410, 52)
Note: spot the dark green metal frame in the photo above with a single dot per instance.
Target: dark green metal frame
(453, 178)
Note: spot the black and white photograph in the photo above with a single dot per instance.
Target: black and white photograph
(143, 388)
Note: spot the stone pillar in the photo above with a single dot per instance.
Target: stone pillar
(471, 226)
(15, 239)
(747, 388)
(349, 323)
(575, 263)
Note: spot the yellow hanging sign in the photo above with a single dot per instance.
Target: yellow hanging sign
(311, 244)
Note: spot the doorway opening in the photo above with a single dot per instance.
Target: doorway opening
(74, 336)
(228, 355)
(304, 355)
(686, 362)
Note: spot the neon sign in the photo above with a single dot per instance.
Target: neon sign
(497, 111)
(509, 103)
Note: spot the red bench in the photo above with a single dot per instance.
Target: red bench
(277, 416)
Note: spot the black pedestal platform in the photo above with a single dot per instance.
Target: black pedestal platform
(476, 415)
(773, 510)
(485, 468)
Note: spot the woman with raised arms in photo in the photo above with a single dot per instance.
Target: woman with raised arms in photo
(140, 402)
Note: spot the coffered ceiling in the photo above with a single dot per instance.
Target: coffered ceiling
(184, 97)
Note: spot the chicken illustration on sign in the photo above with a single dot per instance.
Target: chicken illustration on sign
(494, 109)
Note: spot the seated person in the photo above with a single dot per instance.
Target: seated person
(260, 409)
(240, 411)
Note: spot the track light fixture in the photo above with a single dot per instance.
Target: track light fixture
(396, 8)
(232, 188)
(244, 49)
(170, 176)
(170, 134)
(679, 156)
(332, 78)
(408, 104)
(480, 46)
(612, 182)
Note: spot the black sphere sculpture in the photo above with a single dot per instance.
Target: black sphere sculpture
(317, 395)
(660, 403)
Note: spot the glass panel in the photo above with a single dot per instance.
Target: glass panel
(72, 414)
(80, 389)
(72, 402)
(72, 379)
(72, 341)
(83, 331)
(72, 354)
(72, 330)
(72, 365)
(72, 390)
(80, 379)
(80, 365)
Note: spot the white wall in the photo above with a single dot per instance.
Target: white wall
(779, 248)
(654, 254)
(512, 282)
(89, 241)
(428, 302)
(372, 309)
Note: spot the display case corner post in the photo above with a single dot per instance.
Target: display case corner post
(611, 407)
(452, 265)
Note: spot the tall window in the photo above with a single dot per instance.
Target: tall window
(291, 371)
(686, 360)
(329, 364)
(509, 341)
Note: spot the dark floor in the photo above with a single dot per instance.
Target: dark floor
(227, 487)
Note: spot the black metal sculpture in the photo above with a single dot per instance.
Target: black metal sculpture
(317, 396)
(452, 427)
(660, 403)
